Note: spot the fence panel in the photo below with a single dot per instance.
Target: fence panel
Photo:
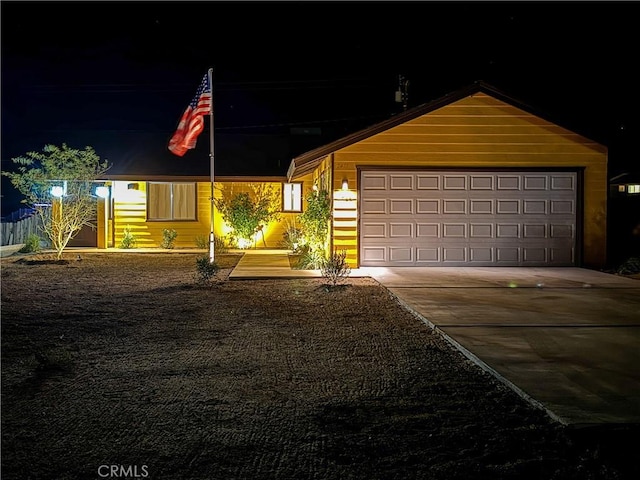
(16, 232)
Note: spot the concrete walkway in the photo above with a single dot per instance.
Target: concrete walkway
(273, 264)
(565, 339)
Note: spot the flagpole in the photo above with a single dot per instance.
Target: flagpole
(211, 169)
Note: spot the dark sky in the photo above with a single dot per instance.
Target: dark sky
(118, 75)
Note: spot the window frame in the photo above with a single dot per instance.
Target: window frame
(171, 202)
(299, 200)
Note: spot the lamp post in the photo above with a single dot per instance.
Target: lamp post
(103, 193)
(56, 214)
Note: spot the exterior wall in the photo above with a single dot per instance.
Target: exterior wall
(130, 210)
(483, 132)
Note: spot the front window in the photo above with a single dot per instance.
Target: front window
(292, 197)
(171, 201)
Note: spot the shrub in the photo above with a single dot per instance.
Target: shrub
(202, 241)
(31, 244)
(315, 227)
(629, 267)
(206, 271)
(128, 238)
(219, 244)
(336, 269)
(292, 238)
(168, 238)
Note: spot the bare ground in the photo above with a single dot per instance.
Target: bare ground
(124, 361)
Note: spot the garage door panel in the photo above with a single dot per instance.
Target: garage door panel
(401, 254)
(374, 206)
(468, 218)
(481, 182)
(428, 182)
(401, 230)
(481, 254)
(400, 206)
(454, 182)
(401, 182)
(454, 207)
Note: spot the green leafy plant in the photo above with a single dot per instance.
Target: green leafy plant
(31, 244)
(630, 266)
(335, 269)
(206, 271)
(73, 173)
(292, 238)
(219, 243)
(128, 238)
(315, 228)
(247, 213)
(168, 238)
(202, 241)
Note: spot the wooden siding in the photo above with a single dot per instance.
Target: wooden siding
(480, 131)
(130, 210)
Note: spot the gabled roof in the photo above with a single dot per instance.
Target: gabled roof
(308, 161)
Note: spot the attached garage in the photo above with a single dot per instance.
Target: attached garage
(456, 218)
(475, 178)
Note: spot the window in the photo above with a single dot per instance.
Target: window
(633, 189)
(171, 201)
(291, 197)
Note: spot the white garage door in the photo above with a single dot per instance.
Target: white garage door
(479, 218)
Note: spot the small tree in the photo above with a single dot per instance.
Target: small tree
(74, 172)
(247, 213)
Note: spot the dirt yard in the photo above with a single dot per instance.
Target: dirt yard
(121, 365)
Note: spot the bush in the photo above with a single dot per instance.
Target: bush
(630, 266)
(336, 269)
(206, 271)
(202, 241)
(292, 238)
(31, 244)
(219, 244)
(309, 258)
(168, 238)
(128, 238)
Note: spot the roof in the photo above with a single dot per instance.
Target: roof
(308, 161)
(625, 178)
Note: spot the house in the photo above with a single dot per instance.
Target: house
(625, 184)
(474, 178)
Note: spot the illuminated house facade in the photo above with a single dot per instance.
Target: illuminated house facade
(472, 179)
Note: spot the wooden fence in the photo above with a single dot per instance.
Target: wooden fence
(16, 229)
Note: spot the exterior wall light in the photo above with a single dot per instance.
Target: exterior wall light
(57, 191)
(102, 192)
(345, 184)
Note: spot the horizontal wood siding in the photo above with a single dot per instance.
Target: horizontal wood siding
(483, 132)
(130, 210)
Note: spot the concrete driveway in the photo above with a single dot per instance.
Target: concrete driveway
(566, 339)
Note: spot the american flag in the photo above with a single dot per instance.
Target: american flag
(192, 120)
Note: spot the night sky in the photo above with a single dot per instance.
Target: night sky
(291, 76)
